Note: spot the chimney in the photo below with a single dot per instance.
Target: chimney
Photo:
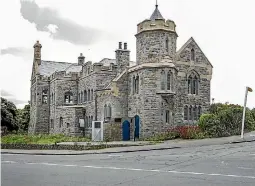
(120, 45)
(125, 46)
(81, 59)
(37, 52)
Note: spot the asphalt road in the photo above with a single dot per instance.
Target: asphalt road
(228, 165)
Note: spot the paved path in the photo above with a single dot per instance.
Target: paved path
(172, 144)
(226, 165)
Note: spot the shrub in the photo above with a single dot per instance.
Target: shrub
(225, 120)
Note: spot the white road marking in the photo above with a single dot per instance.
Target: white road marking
(9, 162)
(133, 169)
(115, 155)
(245, 168)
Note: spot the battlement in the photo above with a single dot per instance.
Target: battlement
(158, 24)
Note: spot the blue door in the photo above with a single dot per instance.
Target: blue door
(137, 124)
(126, 131)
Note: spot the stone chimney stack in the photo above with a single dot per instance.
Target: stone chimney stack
(125, 46)
(81, 59)
(122, 57)
(37, 52)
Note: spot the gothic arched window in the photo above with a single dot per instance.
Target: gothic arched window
(186, 112)
(163, 80)
(192, 57)
(193, 83)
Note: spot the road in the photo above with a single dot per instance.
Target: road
(228, 165)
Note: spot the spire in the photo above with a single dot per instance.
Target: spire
(156, 14)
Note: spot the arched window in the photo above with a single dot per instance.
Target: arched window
(168, 81)
(92, 94)
(134, 85)
(87, 122)
(193, 83)
(189, 84)
(105, 111)
(186, 112)
(137, 84)
(163, 80)
(167, 44)
(89, 95)
(195, 113)
(69, 97)
(60, 122)
(44, 96)
(85, 95)
(109, 111)
(199, 112)
(82, 97)
(190, 114)
(52, 98)
(192, 57)
(79, 97)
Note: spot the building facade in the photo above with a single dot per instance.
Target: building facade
(163, 88)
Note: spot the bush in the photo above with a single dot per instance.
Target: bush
(225, 120)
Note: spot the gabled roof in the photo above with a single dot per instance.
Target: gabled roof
(156, 14)
(46, 68)
(186, 44)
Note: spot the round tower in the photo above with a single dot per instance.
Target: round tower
(155, 39)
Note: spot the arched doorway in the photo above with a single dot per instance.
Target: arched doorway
(126, 130)
(137, 126)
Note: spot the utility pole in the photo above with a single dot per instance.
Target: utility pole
(247, 89)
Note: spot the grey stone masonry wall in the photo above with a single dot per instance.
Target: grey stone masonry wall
(151, 45)
(33, 109)
(43, 108)
(202, 67)
(122, 59)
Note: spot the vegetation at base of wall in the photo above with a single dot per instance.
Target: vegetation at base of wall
(39, 139)
(179, 132)
(226, 120)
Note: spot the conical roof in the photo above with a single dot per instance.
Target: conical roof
(156, 14)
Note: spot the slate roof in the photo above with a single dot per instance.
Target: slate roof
(74, 68)
(49, 67)
(156, 14)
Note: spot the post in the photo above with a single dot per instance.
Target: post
(244, 108)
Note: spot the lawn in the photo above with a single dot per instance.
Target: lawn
(39, 139)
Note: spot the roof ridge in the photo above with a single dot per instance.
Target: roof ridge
(57, 61)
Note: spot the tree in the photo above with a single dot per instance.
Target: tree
(24, 118)
(8, 115)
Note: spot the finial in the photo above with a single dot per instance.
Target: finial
(156, 4)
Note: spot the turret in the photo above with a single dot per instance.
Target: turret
(155, 38)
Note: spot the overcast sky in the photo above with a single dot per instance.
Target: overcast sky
(224, 29)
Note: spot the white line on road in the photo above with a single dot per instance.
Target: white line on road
(133, 169)
(8, 161)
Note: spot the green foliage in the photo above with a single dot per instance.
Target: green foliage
(40, 139)
(23, 118)
(8, 115)
(225, 120)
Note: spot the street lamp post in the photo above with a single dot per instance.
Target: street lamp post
(247, 89)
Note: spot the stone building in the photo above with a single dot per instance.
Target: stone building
(163, 88)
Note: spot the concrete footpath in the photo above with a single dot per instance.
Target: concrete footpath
(138, 146)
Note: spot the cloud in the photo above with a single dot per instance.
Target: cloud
(64, 29)
(17, 51)
(10, 97)
(5, 93)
